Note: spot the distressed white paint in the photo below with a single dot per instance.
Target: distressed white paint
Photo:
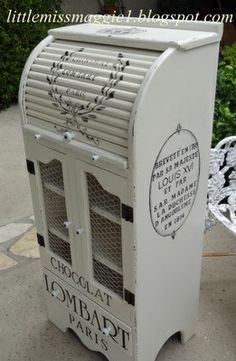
(162, 115)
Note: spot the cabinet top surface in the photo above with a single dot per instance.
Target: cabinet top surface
(133, 32)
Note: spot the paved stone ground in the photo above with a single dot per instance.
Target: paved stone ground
(18, 244)
(15, 202)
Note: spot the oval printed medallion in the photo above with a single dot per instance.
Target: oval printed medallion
(174, 182)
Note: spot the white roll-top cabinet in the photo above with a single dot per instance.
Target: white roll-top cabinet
(117, 123)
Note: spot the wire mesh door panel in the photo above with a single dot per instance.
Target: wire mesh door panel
(103, 195)
(55, 208)
(106, 238)
(54, 199)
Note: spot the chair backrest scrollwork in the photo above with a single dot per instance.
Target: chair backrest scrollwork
(221, 199)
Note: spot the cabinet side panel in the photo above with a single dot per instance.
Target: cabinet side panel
(174, 115)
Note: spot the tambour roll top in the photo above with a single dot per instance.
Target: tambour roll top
(86, 78)
(89, 88)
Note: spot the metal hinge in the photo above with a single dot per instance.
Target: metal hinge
(40, 240)
(30, 166)
(127, 213)
(129, 297)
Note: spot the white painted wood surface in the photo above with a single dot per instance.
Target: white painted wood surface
(144, 34)
(148, 148)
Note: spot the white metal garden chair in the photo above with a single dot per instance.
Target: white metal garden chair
(221, 202)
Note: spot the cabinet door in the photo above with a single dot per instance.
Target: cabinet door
(106, 243)
(53, 205)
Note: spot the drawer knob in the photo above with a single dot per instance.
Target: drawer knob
(79, 231)
(68, 136)
(37, 136)
(106, 331)
(66, 224)
(55, 292)
(95, 157)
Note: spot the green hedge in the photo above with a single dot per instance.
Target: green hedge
(17, 41)
(225, 105)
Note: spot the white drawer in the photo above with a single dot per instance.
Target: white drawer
(98, 330)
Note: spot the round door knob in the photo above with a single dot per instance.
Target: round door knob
(106, 331)
(66, 224)
(95, 157)
(79, 231)
(55, 292)
(68, 136)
